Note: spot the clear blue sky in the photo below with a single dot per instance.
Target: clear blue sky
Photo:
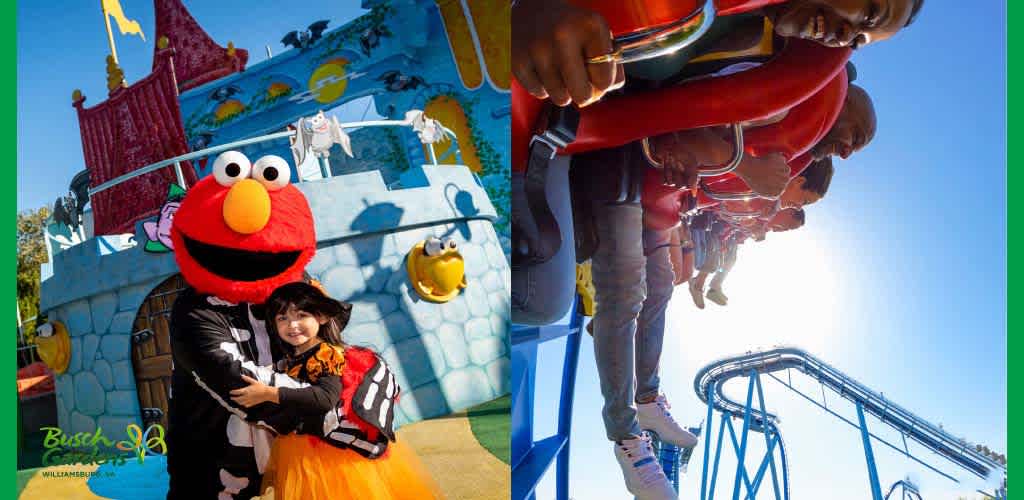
(62, 46)
(898, 278)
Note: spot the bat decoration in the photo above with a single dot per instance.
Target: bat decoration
(62, 212)
(224, 93)
(370, 39)
(200, 141)
(302, 39)
(319, 133)
(395, 81)
(428, 129)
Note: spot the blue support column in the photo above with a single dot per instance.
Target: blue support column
(767, 438)
(741, 466)
(707, 445)
(736, 449)
(876, 488)
(769, 458)
(718, 455)
(531, 459)
(572, 351)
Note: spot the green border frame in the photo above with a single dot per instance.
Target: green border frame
(8, 205)
(1014, 224)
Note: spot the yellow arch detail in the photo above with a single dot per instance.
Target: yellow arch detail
(463, 50)
(449, 112)
(492, 20)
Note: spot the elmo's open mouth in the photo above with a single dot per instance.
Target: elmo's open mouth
(239, 265)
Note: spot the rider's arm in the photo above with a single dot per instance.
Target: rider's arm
(551, 42)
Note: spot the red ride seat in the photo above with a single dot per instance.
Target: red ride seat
(630, 17)
(801, 70)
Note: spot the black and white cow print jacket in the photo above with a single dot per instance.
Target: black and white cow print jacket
(218, 449)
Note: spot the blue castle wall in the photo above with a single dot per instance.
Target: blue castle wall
(413, 42)
(446, 356)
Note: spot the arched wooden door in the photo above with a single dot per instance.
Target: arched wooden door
(151, 350)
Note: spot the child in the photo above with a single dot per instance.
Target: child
(303, 466)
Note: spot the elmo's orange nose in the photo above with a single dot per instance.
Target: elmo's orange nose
(247, 207)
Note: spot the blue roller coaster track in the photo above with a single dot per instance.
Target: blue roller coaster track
(532, 458)
(709, 385)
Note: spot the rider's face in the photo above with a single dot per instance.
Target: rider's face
(852, 131)
(841, 23)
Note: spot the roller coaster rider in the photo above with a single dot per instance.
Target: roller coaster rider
(552, 42)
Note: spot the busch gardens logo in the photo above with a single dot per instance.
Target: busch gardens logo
(95, 448)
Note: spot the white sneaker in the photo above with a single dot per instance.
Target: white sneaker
(642, 471)
(654, 416)
(697, 294)
(715, 295)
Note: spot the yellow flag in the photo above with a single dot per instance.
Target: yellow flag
(127, 26)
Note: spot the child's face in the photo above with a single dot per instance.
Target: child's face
(297, 327)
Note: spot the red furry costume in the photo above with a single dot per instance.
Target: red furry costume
(276, 255)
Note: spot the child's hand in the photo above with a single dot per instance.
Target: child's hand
(257, 392)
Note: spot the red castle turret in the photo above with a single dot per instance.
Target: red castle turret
(197, 58)
(140, 124)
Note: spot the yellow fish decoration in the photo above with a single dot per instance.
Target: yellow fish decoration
(54, 346)
(436, 269)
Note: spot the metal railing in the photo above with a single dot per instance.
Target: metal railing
(176, 161)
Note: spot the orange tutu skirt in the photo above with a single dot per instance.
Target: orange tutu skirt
(302, 467)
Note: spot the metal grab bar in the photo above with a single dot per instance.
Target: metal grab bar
(726, 196)
(737, 155)
(739, 215)
(723, 196)
(660, 41)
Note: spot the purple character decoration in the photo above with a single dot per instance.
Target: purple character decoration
(158, 232)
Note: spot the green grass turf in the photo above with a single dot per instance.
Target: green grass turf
(23, 477)
(491, 423)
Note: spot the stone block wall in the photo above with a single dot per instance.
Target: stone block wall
(98, 388)
(446, 356)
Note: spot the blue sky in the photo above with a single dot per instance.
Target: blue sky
(898, 279)
(53, 62)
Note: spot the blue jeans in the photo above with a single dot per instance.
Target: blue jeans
(633, 290)
(543, 293)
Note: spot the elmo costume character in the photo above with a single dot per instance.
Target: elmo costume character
(239, 234)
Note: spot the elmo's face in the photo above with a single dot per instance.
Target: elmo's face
(243, 231)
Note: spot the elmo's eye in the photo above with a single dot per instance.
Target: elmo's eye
(433, 247)
(451, 245)
(46, 330)
(231, 167)
(271, 171)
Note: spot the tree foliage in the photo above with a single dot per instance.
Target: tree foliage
(31, 254)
